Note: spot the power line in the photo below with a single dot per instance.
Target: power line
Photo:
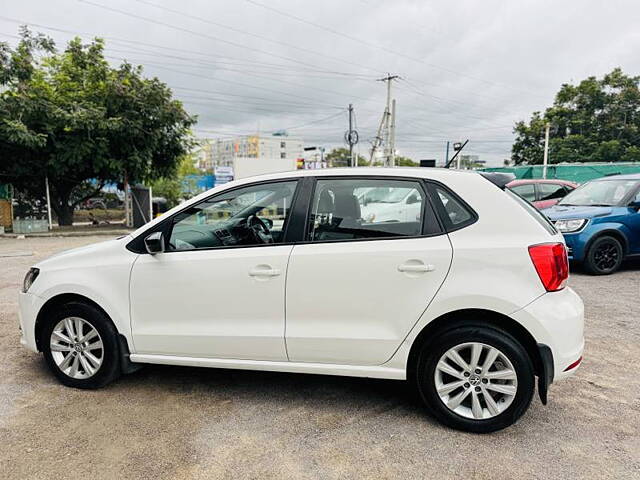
(193, 32)
(261, 37)
(373, 45)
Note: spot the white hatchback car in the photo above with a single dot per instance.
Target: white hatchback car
(467, 300)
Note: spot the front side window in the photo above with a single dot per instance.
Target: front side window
(349, 209)
(252, 215)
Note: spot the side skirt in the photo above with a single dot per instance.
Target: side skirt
(292, 367)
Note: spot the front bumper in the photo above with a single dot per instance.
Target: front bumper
(29, 306)
(556, 319)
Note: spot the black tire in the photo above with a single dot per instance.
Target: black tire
(604, 256)
(433, 350)
(109, 370)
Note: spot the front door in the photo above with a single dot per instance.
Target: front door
(218, 290)
(365, 277)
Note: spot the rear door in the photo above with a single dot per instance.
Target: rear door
(357, 285)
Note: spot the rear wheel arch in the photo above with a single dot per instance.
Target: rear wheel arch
(480, 317)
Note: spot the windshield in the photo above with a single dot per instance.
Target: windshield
(603, 193)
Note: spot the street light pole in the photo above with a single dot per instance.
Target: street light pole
(545, 159)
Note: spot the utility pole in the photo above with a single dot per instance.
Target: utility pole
(351, 138)
(446, 155)
(385, 124)
(46, 184)
(545, 159)
(392, 135)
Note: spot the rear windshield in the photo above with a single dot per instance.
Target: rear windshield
(534, 212)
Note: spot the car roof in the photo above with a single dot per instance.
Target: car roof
(422, 172)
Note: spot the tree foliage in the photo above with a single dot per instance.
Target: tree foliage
(339, 157)
(73, 118)
(176, 188)
(595, 120)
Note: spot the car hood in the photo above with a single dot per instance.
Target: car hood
(79, 252)
(566, 212)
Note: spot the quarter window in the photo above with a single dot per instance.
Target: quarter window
(348, 209)
(456, 214)
(252, 215)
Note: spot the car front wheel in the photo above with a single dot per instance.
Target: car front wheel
(604, 256)
(80, 347)
(475, 378)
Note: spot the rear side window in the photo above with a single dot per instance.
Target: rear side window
(454, 213)
(550, 191)
(526, 191)
(360, 208)
(534, 212)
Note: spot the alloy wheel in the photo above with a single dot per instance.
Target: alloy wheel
(606, 256)
(475, 380)
(76, 347)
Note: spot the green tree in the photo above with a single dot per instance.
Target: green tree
(339, 157)
(73, 118)
(176, 187)
(405, 162)
(596, 120)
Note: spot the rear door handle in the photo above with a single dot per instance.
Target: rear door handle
(416, 268)
(264, 271)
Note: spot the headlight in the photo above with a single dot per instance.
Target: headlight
(568, 226)
(29, 278)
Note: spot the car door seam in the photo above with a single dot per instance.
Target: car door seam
(428, 304)
(133, 345)
(286, 277)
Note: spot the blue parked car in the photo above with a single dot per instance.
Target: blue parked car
(600, 221)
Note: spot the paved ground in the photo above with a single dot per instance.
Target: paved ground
(169, 422)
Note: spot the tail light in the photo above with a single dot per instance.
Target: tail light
(552, 264)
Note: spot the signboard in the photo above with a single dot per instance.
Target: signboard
(223, 175)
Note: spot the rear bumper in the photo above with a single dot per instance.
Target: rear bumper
(29, 306)
(556, 319)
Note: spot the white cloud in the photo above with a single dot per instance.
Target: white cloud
(475, 67)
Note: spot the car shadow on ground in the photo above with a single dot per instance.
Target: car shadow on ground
(275, 388)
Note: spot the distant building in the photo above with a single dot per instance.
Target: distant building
(224, 152)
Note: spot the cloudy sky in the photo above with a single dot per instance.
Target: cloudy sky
(468, 69)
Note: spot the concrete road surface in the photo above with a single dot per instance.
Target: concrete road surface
(170, 422)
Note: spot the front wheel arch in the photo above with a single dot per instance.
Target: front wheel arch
(617, 234)
(56, 302)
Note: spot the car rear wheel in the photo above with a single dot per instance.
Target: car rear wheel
(80, 346)
(475, 378)
(604, 256)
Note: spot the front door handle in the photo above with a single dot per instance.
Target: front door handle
(416, 268)
(264, 271)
